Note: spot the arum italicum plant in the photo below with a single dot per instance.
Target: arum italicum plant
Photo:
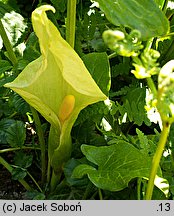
(58, 86)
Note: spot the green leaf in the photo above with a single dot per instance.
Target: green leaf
(23, 160)
(20, 104)
(98, 66)
(117, 165)
(141, 15)
(4, 8)
(94, 112)
(18, 173)
(16, 134)
(144, 145)
(9, 4)
(4, 66)
(4, 125)
(68, 169)
(160, 3)
(31, 51)
(60, 5)
(133, 106)
(35, 195)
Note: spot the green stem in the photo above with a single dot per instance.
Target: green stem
(152, 86)
(89, 189)
(12, 115)
(113, 55)
(71, 22)
(164, 7)
(55, 179)
(35, 181)
(100, 194)
(139, 180)
(41, 141)
(149, 44)
(7, 44)
(150, 81)
(16, 149)
(156, 159)
(9, 168)
(48, 171)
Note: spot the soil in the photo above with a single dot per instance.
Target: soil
(10, 189)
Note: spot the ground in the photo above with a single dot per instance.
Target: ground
(10, 189)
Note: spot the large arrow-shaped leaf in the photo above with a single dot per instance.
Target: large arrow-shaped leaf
(117, 165)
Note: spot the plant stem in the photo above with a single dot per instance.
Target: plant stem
(100, 194)
(18, 148)
(35, 181)
(7, 44)
(164, 8)
(41, 142)
(9, 168)
(156, 159)
(149, 44)
(48, 171)
(139, 180)
(88, 190)
(152, 86)
(71, 22)
(150, 81)
(55, 179)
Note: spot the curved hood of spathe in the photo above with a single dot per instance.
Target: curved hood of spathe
(58, 72)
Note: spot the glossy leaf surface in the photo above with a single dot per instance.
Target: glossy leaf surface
(16, 134)
(144, 16)
(98, 66)
(117, 165)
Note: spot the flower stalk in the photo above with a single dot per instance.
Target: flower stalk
(71, 22)
(156, 159)
(41, 142)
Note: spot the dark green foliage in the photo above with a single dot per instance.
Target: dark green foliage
(4, 66)
(68, 169)
(98, 66)
(19, 104)
(22, 162)
(60, 7)
(32, 48)
(133, 106)
(4, 125)
(16, 134)
(4, 8)
(90, 28)
(93, 112)
(18, 173)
